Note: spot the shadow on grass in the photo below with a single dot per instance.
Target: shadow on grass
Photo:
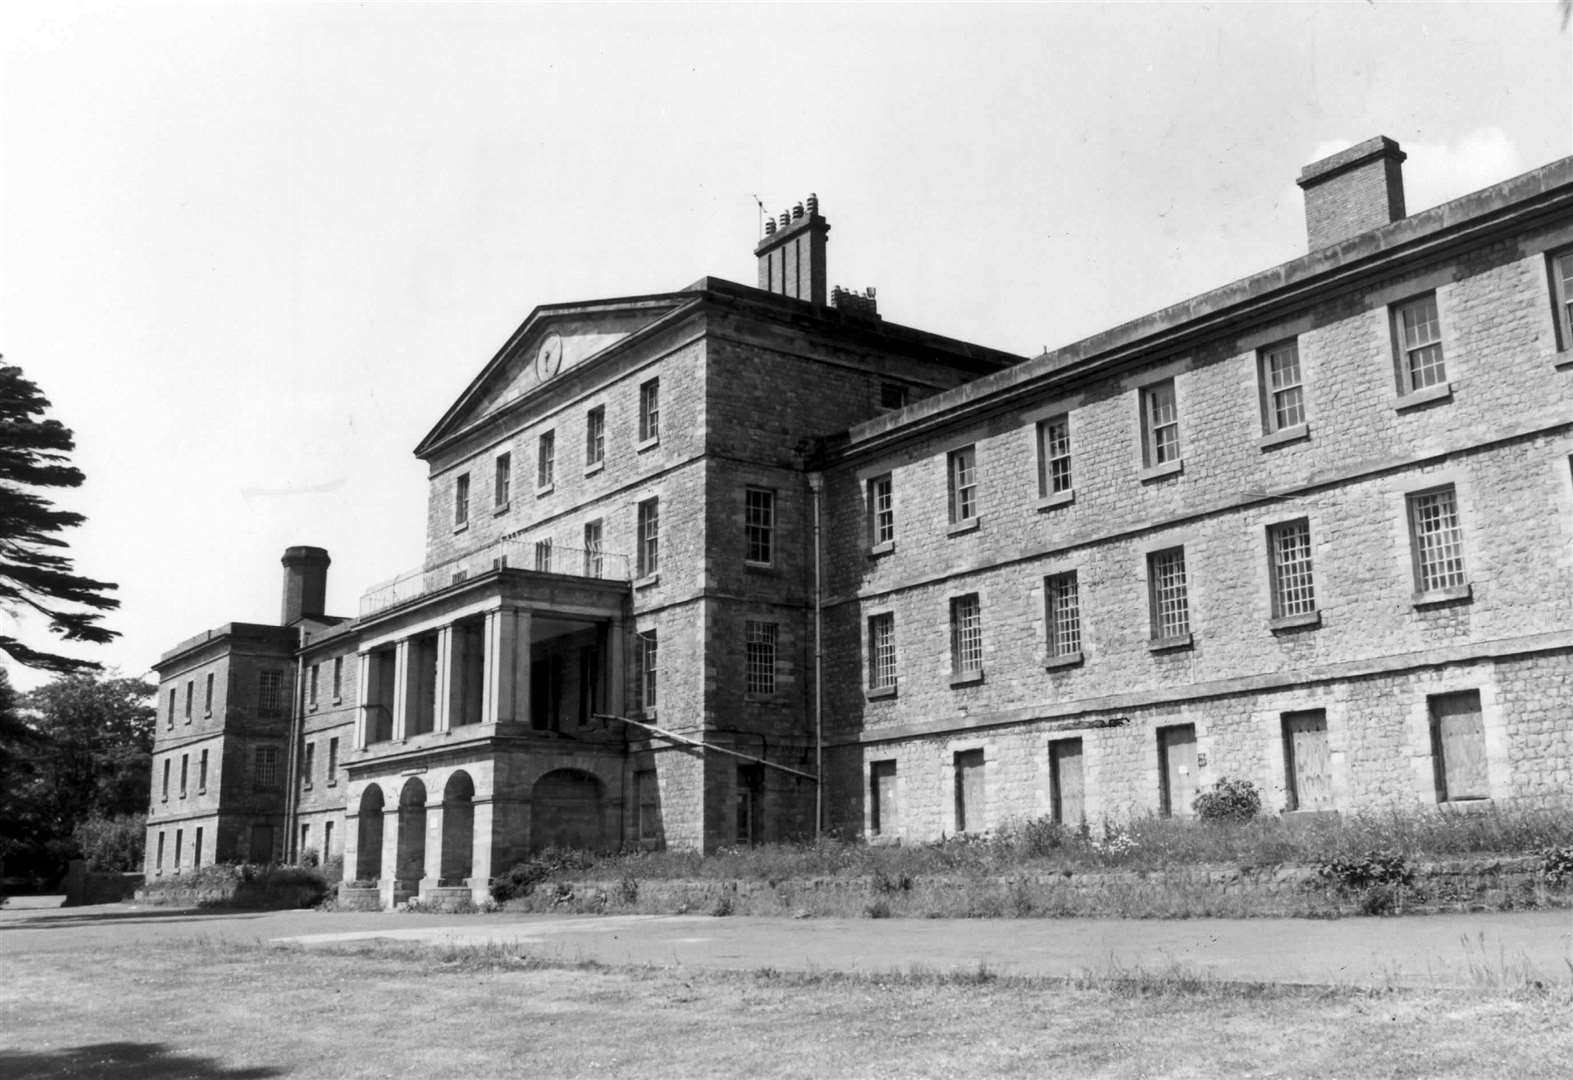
(123, 1060)
(52, 919)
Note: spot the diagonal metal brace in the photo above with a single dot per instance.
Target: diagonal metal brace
(699, 744)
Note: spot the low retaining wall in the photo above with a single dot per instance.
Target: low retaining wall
(84, 886)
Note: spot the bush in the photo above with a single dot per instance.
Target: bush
(1229, 800)
(522, 879)
(112, 843)
(1557, 864)
(1374, 868)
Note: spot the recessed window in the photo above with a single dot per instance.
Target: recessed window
(265, 767)
(649, 792)
(502, 492)
(963, 470)
(966, 636)
(185, 768)
(1160, 424)
(169, 716)
(312, 677)
(164, 791)
(191, 693)
(270, 692)
(207, 699)
(1054, 456)
(759, 656)
(882, 652)
(543, 556)
(1171, 612)
(647, 656)
(338, 677)
(649, 537)
(202, 772)
(1561, 265)
(1437, 541)
(881, 511)
(595, 436)
(1283, 393)
(308, 770)
(1063, 614)
(461, 501)
(333, 762)
(759, 525)
(650, 410)
(594, 561)
(546, 460)
(883, 812)
(892, 396)
(969, 791)
(1417, 330)
(1289, 545)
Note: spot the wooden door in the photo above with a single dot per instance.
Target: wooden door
(884, 819)
(969, 791)
(1307, 763)
(1177, 768)
(1458, 743)
(1065, 781)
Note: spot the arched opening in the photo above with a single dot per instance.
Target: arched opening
(412, 832)
(368, 835)
(567, 810)
(458, 828)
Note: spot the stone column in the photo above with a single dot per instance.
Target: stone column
(363, 690)
(506, 669)
(390, 855)
(481, 870)
(351, 848)
(432, 874)
(447, 680)
(401, 690)
(615, 676)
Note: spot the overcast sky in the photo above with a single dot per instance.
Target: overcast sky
(251, 252)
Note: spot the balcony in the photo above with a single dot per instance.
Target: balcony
(504, 555)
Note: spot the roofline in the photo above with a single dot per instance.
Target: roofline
(219, 634)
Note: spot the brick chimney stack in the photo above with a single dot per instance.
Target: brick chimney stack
(1352, 191)
(305, 583)
(792, 254)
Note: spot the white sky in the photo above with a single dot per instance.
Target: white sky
(252, 251)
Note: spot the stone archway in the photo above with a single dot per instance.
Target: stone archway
(368, 835)
(567, 810)
(458, 828)
(411, 863)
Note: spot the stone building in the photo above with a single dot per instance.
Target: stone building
(687, 552)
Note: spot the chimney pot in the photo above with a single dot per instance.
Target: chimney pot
(813, 203)
(786, 219)
(797, 211)
(305, 583)
(770, 226)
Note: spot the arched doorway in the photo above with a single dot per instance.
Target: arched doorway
(368, 835)
(458, 828)
(566, 811)
(412, 832)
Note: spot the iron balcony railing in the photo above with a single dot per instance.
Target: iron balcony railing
(506, 554)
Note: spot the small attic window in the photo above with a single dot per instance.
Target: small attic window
(892, 396)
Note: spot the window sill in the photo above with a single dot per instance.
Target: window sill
(208, 715)
(651, 714)
(202, 791)
(1068, 660)
(331, 783)
(966, 678)
(959, 527)
(461, 526)
(1564, 360)
(312, 707)
(1170, 644)
(749, 564)
(880, 693)
(1162, 472)
(1437, 597)
(1430, 395)
(338, 700)
(1283, 436)
(647, 581)
(545, 489)
(499, 511)
(882, 549)
(647, 444)
(594, 467)
(1295, 622)
(1059, 498)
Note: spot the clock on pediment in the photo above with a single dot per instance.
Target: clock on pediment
(550, 357)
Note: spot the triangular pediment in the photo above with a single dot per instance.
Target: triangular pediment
(548, 347)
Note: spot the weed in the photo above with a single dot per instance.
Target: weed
(1557, 864)
(724, 905)
(877, 909)
(1229, 800)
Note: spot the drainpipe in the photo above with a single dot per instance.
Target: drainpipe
(816, 483)
(297, 722)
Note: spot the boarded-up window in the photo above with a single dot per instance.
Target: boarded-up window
(1065, 782)
(261, 844)
(969, 791)
(1308, 783)
(1458, 746)
(883, 816)
(1177, 769)
(649, 805)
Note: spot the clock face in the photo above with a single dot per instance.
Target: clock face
(550, 358)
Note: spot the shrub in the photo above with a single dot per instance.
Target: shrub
(1384, 868)
(112, 843)
(1557, 864)
(522, 879)
(1229, 800)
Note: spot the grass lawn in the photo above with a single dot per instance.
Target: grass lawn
(217, 1010)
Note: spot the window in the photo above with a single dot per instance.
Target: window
(311, 684)
(461, 501)
(265, 770)
(649, 793)
(963, 466)
(202, 772)
(1562, 296)
(159, 862)
(650, 411)
(543, 556)
(1054, 456)
(647, 658)
(1283, 396)
(1160, 424)
(261, 850)
(164, 791)
(191, 693)
(966, 636)
(1067, 792)
(546, 461)
(594, 561)
(327, 840)
(892, 396)
(308, 769)
(649, 537)
(1458, 746)
(196, 849)
(883, 816)
(1437, 541)
(207, 700)
(270, 692)
(1171, 615)
(881, 511)
(169, 720)
(338, 678)
(595, 437)
(759, 656)
(759, 525)
(305, 837)
(1062, 602)
(969, 791)
(333, 762)
(1289, 550)
(180, 842)
(882, 652)
(502, 483)
(185, 768)
(1307, 763)
(1418, 332)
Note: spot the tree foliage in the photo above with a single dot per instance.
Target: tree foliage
(34, 573)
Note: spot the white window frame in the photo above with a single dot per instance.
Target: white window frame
(1055, 478)
(760, 649)
(881, 494)
(1062, 616)
(759, 526)
(650, 411)
(1436, 543)
(543, 555)
(961, 476)
(966, 637)
(595, 437)
(1281, 376)
(1413, 364)
(545, 461)
(1160, 420)
(461, 501)
(1169, 596)
(594, 555)
(648, 536)
(502, 480)
(1291, 569)
(882, 652)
